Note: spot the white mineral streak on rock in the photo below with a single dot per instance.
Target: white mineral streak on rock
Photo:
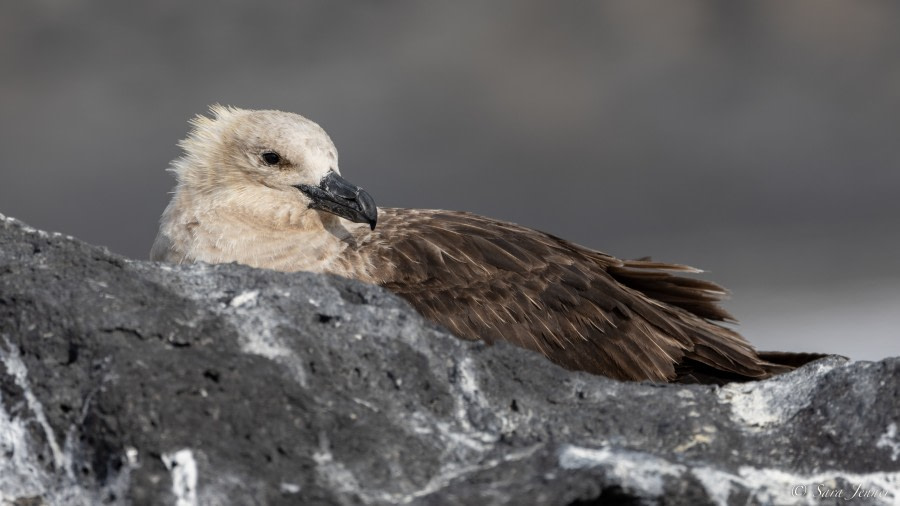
(646, 474)
(634, 470)
(257, 325)
(183, 469)
(17, 369)
(774, 486)
(244, 299)
(333, 472)
(765, 404)
(22, 472)
(289, 488)
(889, 440)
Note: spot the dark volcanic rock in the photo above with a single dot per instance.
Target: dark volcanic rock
(134, 382)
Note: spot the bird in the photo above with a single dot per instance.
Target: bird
(263, 188)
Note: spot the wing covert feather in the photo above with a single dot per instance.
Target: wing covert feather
(584, 310)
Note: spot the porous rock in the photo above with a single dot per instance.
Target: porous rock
(130, 382)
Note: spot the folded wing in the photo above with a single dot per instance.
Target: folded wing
(584, 310)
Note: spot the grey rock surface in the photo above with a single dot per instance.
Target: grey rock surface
(126, 382)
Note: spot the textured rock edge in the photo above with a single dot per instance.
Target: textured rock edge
(763, 409)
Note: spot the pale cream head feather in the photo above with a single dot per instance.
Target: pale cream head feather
(237, 196)
(225, 153)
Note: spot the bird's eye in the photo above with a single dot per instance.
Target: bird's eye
(271, 158)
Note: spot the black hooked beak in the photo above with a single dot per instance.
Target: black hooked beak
(338, 196)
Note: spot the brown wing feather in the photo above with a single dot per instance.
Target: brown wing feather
(655, 280)
(491, 280)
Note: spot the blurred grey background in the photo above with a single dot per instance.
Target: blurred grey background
(757, 140)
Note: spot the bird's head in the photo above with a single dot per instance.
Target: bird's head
(269, 158)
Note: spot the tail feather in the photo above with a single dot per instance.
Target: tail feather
(655, 280)
(660, 281)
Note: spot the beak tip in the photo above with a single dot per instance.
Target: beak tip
(338, 196)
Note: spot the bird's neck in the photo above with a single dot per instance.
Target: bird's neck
(279, 234)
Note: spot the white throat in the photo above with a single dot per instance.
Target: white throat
(258, 231)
